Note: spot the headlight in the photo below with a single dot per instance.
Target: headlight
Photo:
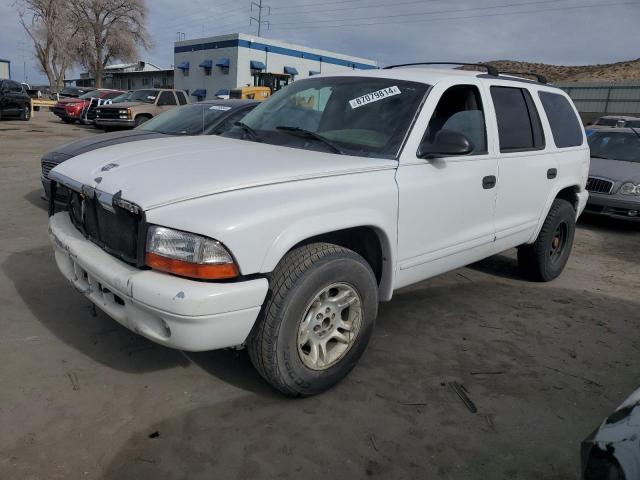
(123, 111)
(630, 189)
(188, 255)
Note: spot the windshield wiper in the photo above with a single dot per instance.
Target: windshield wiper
(309, 134)
(249, 131)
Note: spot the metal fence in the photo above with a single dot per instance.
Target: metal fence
(595, 99)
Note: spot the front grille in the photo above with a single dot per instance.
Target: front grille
(108, 113)
(599, 185)
(115, 232)
(47, 165)
(59, 111)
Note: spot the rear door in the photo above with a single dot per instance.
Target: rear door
(527, 165)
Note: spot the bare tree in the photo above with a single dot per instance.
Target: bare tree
(109, 30)
(50, 27)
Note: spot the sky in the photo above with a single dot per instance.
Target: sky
(564, 32)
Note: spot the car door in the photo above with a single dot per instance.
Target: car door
(11, 97)
(3, 96)
(446, 205)
(528, 169)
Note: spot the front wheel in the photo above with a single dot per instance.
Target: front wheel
(25, 113)
(317, 320)
(546, 258)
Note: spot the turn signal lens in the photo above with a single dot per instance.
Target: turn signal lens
(188, 255)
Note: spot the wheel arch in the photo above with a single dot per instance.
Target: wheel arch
(570, 193)
(369, 241)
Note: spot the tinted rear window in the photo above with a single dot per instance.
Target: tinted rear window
(564, 123)
(519, 127)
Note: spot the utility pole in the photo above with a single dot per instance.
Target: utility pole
(260, 7)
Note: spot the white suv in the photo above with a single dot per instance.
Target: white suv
(329, 196)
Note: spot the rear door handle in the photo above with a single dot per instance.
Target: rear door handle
(489, 182)
(552, 173)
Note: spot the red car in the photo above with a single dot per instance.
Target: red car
(70, 109)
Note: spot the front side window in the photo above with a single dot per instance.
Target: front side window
(460, 109)
(348, 115)
(606, 122)
(623, 146)
(519, 127)
(564, 123)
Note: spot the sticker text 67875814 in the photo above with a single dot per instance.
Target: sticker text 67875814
(374, 96)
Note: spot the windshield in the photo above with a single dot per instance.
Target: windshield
(350, 115)
(91, 94)
(145, 96)
(188, 120)
(616, 146)
(124, 97)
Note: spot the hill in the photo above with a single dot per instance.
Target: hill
(609, 72)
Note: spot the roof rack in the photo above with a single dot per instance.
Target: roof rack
(538, 77)
(491, 70)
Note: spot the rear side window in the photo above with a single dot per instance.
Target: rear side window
(519, 127)
(565, 126)
(181, 98)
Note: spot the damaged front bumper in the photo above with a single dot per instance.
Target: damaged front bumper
(172, 311)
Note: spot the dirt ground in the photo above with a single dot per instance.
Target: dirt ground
(83, 398)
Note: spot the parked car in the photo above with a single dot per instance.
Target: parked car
(14, 101)
(612, 451)
(285, 233)
(212, 117)
(74, 92)
(618, 121)
(70, 110)
(143, 105)
(614, 175)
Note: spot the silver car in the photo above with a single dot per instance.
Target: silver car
(614, 175)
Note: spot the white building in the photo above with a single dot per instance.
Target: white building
(206, 66)
(5, 69)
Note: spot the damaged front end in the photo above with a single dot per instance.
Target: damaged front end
(612, 452)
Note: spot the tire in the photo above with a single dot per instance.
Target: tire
(545, 259)
(68, 120)
(276, 343)
(140, 119)
(25, 113)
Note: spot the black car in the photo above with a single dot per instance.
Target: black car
(212, 117)
(14, 101)
(74, 92)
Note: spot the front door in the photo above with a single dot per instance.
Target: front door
(447, 204)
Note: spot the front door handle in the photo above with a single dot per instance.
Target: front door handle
(489, 182)
(552, 173)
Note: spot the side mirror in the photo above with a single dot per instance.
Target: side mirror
(448, 143)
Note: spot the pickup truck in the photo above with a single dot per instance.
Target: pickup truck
(142, 105)
(283, 234)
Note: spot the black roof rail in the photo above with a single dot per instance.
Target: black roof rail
(538, 77)
(491, 70)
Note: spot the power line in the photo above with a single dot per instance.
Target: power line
(386, 4)
(314, 3)
(277, 25)
(432, 12)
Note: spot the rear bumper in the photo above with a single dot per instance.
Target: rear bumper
(172, 311)
(613, 206)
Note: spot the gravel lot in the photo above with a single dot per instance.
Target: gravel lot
(82, 397)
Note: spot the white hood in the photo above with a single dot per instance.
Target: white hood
(153, 173)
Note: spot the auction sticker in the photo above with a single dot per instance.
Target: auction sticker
(374, 96)
(222, 108)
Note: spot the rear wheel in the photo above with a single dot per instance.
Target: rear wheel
(68, 120)
(546, 258)
(317, 319)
